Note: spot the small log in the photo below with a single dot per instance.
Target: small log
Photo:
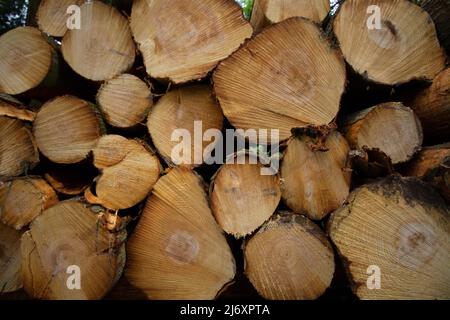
(402, 48)
(389, 127)
(315, 182)
(432, 106)
(25, 60)
(274, 81)
(16, 112)
(23, 199)
(289, 258)
(65, 239)
(66, 129)
(242, 199)
(432, 164)
(188, 256)
(52, 16)
(266, 12)
(185, 40)
(179, 109)
(103, 47)
(396, 230)
(128, 172)
(10, 260)
(124, 101)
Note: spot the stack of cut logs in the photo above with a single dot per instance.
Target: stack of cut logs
(94, 204)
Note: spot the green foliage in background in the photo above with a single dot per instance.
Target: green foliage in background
(247, 7)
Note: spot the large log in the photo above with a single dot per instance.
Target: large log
(403, 47)
(289, 258)
(177, 250)
(439, 10)
(103, 47)
(184, 40)
(266, 12)
(275, 81)
(71, 240)
(393, 237)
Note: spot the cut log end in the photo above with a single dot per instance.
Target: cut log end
(25, 60)
(192, 108)
(242, 199)
(125, 101)
(69, 239)
(289, 259)
(198, 32)
(52, 16)
(391, 128)
(396, 229)
(128, 172)
(274, 81)
(103, 47)
(315, 183)
(397, 50)
(17, 148)
(23, 199)
(189, 257)
(66, 129)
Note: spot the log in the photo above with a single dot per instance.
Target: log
(439, 10)
(124, 101)
(128, 172)
(189, 257)
(66, 129)
(432, 106)
(185, 40)
(17, 147)
(405, 47)
(103, 47)
(10, 260)
(25, 60)
(23, 199)
(267, 12)
(180, 109)
(400, 227)
(432, 164)
(389, 127)
(315, 182)
(64, 238)
(289, 258)
(275, 81)
(242, 199)
(52, 16)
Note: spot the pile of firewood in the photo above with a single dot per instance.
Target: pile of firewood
(94, 204)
